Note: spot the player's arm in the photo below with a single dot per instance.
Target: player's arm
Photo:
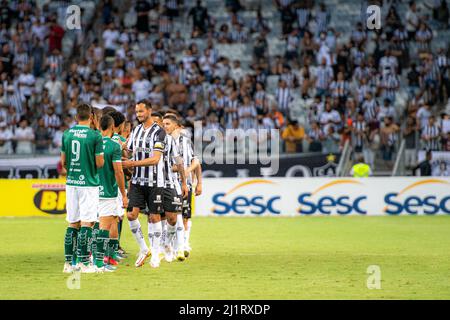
(99, 158)
(153, 160)
(180, 169)
(63, 159)
(194, 165)
(198, 175)
(118, 172)
(63, 154)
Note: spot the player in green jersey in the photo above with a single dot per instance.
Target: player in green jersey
(119, 123)
(111, 184)
(81, 156)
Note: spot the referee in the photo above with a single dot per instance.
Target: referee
(147, 145)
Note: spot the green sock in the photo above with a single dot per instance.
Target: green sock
(119, 227)
(102, 245)
(82, 249)
(95, 231)
(70, 244)
(89, 237)
(113, 246)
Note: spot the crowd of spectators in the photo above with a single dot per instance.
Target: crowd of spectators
(348, 83)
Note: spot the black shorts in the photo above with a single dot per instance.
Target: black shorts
(147, 199)
(187, 205)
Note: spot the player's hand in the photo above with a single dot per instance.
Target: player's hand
(125, 202)
(184, 191)
(198, 189)
(127, 164)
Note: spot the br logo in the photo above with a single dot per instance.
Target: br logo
(373, 17)
(73, 17)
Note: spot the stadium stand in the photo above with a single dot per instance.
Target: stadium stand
(309, 68)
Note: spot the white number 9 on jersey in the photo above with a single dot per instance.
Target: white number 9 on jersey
(76, 148)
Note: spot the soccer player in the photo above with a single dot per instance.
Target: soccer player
(81, 155)
(148, 143)
(119, 124)
(158, 118)
(111, 182)
(174, 128)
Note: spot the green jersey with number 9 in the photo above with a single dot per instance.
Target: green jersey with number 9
(81, 145)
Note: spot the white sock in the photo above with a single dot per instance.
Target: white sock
(187, 233)
(180, 232)
(164, 232)
(136, 230)
(150, 234)
(171, 232)
(157, 229)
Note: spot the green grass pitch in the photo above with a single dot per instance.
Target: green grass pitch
(246, 258)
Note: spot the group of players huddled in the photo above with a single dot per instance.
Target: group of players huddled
(112, 168)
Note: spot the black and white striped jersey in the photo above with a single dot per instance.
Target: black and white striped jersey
(143, 143)
(186, 151)
(171, 153)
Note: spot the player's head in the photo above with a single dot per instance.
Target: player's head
(108, 110)
(176, 114)
(119, 121)
(126, 129)
(170, 123)
(107, 125)
(158, 118)
(95, 118)
(84, 112)
(143, 110)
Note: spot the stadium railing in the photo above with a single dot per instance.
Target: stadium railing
(399, 167)
(344, 161)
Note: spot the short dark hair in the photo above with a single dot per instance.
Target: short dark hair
(174, 112)
(146, 103)
(118, 118)
(106, 122)
(157, 114)
(108, 110)
(173, 118)
(84, 112)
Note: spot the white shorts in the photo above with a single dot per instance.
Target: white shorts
(107, 207)
(81, 204)
(120, 210)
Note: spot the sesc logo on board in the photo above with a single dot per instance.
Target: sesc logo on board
(50, 199)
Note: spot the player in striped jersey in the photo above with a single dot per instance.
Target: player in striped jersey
(148, 185)
(173, 230)
(192, 167)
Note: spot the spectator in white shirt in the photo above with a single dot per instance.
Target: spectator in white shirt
(55, 91)
(6, 136)
(141, 87)
(110, 37)
(24, 136)
(423, 114)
